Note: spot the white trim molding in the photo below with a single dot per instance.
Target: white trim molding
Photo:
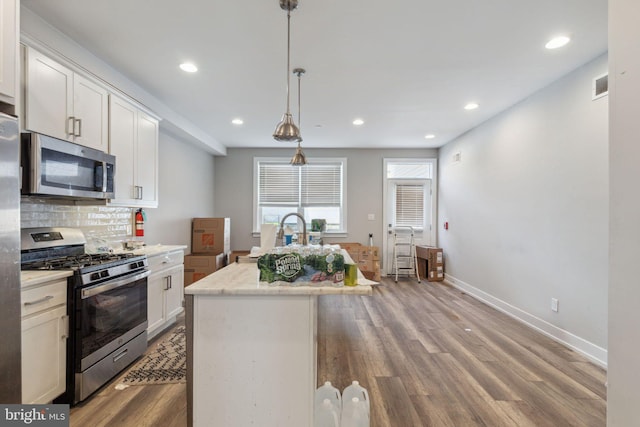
(594, 353)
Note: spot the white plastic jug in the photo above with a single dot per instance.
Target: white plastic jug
(354, 414)
(356, 390)
(327, 391)
(325, 415)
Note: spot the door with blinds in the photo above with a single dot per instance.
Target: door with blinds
(408, 205)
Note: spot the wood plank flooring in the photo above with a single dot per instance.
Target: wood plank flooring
(428, 354)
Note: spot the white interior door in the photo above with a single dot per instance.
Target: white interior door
(408, 204)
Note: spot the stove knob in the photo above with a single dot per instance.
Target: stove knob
(95, 276)
(104, 273)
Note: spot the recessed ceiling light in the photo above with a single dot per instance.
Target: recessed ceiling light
(358, 122)
(471, 106)
(188, 67)
(557, 42)
(237, 121)
(429, 136)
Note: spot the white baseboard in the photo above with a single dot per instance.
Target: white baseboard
(594, 353)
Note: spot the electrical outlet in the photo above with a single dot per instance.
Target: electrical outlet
(554, 304)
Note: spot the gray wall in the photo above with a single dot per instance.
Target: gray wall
(234, 189)
(527, 208)
(623, 398)
(185, 192)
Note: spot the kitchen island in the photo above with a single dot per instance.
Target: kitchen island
(252, 349)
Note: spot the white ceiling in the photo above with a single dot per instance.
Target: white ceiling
(407, 67)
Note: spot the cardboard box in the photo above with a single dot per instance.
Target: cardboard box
(367, 265)
(231, 258)
(436, 257)
(370, 269)
(436, 275)
(372, 275)
(353, 249)
(210, 235)
(369, 253)
(197, 267)
(349, 247)
(430, 259)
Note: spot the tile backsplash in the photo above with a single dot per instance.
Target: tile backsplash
(105, 223)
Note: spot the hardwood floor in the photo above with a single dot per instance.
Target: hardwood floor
(163, 405)
(428, 354)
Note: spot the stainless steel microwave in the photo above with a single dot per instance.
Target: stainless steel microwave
(54, 167)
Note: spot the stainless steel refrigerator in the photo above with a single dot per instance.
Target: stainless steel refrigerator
(10, 331)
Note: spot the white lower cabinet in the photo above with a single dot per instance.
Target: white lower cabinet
(165, 291)
(44, 342)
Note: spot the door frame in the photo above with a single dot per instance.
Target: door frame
(433, 162)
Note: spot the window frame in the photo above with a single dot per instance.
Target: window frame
(300, 208)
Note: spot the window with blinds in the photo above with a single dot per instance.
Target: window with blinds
(314, 191)
(410, 205)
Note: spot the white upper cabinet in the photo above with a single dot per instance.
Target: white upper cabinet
(64, 104)
(91, 113)
(147, 157)
(134, 142)
(8, 50)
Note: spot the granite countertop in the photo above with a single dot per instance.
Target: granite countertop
(242, 279)
(37, 277)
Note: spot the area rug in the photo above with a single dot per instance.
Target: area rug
(165, 363)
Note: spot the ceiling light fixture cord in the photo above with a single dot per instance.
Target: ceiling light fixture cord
(288, 55)
(299, 158)
(286, 129)
(299, 72)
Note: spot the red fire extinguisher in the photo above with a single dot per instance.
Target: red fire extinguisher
(140, 217)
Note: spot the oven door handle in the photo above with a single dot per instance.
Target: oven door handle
(117, 283)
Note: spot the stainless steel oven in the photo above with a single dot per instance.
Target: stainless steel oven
(54, 167)
(107, 306)
(110, 323)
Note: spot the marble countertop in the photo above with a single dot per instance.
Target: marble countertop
(242, 279)
(37, 277)
(153, 250)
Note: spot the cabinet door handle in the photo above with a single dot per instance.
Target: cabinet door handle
(39, 301)
(166, 283)
(65, 327)
(141, 192)
(71, 126)
(170, 282)
(79, 122)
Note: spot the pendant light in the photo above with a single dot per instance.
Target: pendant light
(298, 158)
(286, 130)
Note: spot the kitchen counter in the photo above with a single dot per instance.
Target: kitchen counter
(252, 349)
(37, 277)
(242, 279)
(153, 250)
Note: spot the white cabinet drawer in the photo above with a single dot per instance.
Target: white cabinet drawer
(43, 297)
(167, 260)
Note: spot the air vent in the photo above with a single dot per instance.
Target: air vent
(600, 86)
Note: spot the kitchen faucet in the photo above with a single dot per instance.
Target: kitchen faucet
(304, 227)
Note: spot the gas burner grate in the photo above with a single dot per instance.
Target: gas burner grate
(75, 261)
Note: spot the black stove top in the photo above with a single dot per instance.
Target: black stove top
(78, 262)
